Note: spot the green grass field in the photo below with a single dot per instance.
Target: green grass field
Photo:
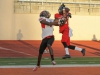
(47, 61)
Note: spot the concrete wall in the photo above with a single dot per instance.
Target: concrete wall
(27, 27)
(6, 19)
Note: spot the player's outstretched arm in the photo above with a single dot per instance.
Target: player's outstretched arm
(49, 23)
(56, 20)
(60, 21)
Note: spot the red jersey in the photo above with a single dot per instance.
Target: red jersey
(63, 27)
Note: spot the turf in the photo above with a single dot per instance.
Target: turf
(47, 61)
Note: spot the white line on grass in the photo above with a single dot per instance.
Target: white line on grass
(11, 63)
(91, 62)
(73, 62)
(32, 63)
(52, 66)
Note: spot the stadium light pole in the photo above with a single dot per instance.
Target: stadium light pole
(30, 6)
(42, 2)
(89, 6)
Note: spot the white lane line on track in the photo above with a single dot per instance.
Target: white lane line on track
(15, 51)
(51, 66)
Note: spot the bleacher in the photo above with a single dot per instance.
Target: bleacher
(77, 7)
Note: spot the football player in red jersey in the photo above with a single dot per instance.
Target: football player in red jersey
(65, 30)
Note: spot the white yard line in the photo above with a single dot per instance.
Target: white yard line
(51, 66)
(15, 51)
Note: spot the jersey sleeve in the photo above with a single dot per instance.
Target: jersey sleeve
(41, 18)
(51, 20)
(56, 15)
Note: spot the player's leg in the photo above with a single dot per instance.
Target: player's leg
(66, 42)
(49, 44)
(67, 55)
(82, 50)
(41, 50)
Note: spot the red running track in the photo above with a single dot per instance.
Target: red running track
(29, 48)
(52, 71)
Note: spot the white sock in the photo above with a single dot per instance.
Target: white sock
(78, 49)
(67, 51)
